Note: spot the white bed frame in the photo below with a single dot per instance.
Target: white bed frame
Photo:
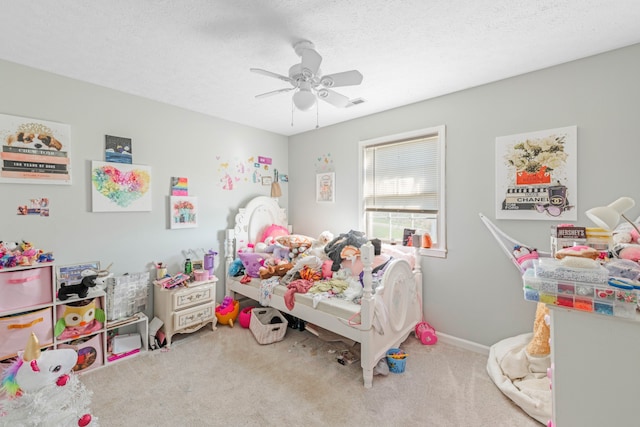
(396, 306)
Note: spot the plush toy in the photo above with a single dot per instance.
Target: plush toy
(236, 268)
(279, 251)
(525, 256)
(626, 244)
(280, 269)
(539, 344)
(251, 262)
(80, 318)
(81, 289)
(271, 232)
(580, 251)
(42, 389)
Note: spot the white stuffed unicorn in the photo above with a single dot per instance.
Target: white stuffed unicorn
(40, 390)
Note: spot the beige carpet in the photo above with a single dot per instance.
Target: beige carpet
(225, 378)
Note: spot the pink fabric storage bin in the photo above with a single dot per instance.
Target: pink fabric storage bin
(15, 331)
(90, 353)
(24, 288)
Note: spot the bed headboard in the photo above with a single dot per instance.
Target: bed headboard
(251, 221)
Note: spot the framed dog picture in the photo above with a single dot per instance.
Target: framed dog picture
(34, 151)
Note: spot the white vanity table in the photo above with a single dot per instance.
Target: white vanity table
(596, 375)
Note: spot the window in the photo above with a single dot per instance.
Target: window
(403, 186)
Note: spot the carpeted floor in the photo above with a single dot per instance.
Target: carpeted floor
(225, 378)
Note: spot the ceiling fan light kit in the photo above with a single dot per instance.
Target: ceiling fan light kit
(308, 82)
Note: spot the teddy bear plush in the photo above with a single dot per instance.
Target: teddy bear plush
(539, 344)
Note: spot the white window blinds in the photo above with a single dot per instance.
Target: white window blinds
(403, 176)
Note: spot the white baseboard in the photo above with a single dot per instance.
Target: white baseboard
(460, 342)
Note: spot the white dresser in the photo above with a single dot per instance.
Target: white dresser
(185, 309)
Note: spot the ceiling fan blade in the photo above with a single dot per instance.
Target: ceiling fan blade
(334, 98)
(274, 92)
(345, 78)
(310, 61)
(270, 74)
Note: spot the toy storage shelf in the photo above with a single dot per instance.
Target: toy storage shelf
(138, 323)
(26, 305)
(29, 303)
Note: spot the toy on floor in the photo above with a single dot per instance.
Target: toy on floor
(426, 333)
(41, 390)
(244, 318)
(227, 312)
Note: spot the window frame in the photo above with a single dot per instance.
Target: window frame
(439, 250)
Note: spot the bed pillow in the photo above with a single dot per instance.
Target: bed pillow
(272, 232)
(295, 241)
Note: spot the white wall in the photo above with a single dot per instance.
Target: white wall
(172, 141)
(476, 293)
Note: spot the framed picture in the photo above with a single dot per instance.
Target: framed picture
(267, 180)
(118, 149)
(34, 151)
(118, 187)
(325, 187)
(197, 264)
(184, 212)
(536, 175)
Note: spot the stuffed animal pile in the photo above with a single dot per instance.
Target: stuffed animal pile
(14, 254)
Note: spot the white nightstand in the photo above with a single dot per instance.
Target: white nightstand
(186, 309)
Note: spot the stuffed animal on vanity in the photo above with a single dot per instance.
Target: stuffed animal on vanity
(626, 244)
(81, 289)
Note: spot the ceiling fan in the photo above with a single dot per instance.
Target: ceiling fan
(307, 80)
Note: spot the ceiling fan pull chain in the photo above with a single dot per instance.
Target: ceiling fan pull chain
(317, 119)
(291, 112)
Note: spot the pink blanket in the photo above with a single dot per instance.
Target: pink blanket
(299, 285)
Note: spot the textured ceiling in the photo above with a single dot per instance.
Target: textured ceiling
(196, 54)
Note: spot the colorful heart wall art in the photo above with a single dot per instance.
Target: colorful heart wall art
(118, 187)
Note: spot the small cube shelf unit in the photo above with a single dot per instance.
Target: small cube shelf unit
(29, 303)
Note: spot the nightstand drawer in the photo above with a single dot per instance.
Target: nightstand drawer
(193, 316)
(192, 296)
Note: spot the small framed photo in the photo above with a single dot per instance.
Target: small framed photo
(197, 264)
(326, 187)
(267, 180)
